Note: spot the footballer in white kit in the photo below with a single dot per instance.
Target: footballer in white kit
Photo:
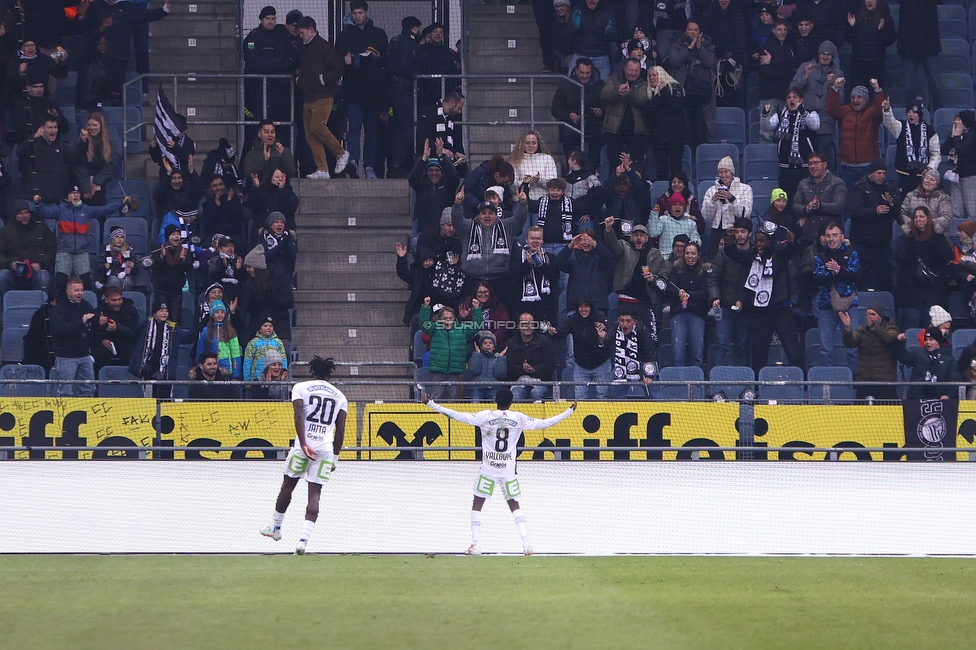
(500, 432)
(320, 422)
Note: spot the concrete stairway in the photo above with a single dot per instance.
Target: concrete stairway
(500, 42)
(349, 303)
(202, 41)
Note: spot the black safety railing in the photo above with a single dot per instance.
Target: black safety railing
(186, 82)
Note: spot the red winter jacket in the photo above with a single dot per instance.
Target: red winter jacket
(858, 130)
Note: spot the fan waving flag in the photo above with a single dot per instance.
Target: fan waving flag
(168, 127)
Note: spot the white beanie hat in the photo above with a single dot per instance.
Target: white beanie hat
(726, 163)
(939, 316)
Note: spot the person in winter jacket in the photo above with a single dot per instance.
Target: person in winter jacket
(591, 354)
(624, 96)
(922, 257)
(633, 348)
(835, 270)
(365, 49)
(960, 150)
(638, 265)
(814, 79)
(219, 336)
(566, 107)
(155, 354)
(919, 46)
(267, 155)
(917, 146)
(119, 263)
(494, 315)
(317, 79)
(724, 22)
(724, 202)
(487, 243)
(691, 289)
(27, 251)
(819, 199)
(448, 344)
(777, 63)
(693, 54)
(535, 267)
(94, 159)
(73, 216)
(590, 267)
(276, 196)
(679, 184)
(871, 29)
(206, 371)
(929, 363)
(254, 354)
(872, 209)
(676, 221)
(170, 264)
(114, 337)
(220, 161)
(793, 128)
(665, 123)
(875, 342)
(45, 163)
(222, 211)
(531, 360)
(402, 68)
(435, 181)
(534, 167)
(857, 128)
(179, 192)
(732, 330)
(485, 367)
(268, 49)
(593, 34)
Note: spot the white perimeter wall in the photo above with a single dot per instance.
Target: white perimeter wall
(410, 507)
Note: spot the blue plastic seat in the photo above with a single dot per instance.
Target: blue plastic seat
(707, 156)
(761, 192)
(139, 301)
(784, 392)
(695, 391)
(118, 373)
(24, 298)
(719, 376)
(730, 126)
(21, 371)
(960, 339)
(843, 394)
(760, 162)
(136, 232)
(13, 345)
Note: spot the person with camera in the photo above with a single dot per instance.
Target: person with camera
(724, 202)
(115, 330)
(27, 251)
(267, 155)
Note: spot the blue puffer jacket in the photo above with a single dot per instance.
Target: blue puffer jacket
(73, 222)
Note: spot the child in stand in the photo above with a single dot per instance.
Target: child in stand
(219, 336)
(119, 266)
(486, 366)
(257, 348)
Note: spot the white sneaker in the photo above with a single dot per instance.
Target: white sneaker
(473, 550)
(319, 175)
(341, 163)
(370, 173)
(527, 550)
(301, 547)
(272, 532)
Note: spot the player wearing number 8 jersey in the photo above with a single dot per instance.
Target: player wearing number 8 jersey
(320, 423)
(500, 432)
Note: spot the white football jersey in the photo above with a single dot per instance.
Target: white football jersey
(500, 432)
(321, 403)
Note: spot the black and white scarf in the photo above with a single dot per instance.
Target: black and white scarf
(499, 241)
(784, 132)
(534, 283)
(760, 280)
(157, 336)
(566, 215)
(116, 259)
(445, 126)
(923, 145)
(626, 362)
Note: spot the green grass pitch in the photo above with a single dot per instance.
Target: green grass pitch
(362, 601)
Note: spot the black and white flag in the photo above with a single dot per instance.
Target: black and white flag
(168, 126)
(930, 424)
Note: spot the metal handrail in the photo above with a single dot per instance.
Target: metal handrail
(192, 77)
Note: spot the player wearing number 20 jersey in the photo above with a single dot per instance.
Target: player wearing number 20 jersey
(321, 403)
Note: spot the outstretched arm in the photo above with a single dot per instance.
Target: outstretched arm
(466, 418)
(533, 423)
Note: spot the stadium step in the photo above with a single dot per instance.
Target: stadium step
(353, 315)
(373, 240)
(362, 296)
(312, 277)
(334, 338)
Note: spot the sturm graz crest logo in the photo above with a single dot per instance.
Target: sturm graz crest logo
(932, 428)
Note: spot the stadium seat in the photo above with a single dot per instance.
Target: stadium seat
(91, 298)
(18, 317)
(418, 347)
(960, 339)
(960, 98)
(761, 191)
(94, 237)
(139, 300)
(760, 162)
(568, 389)
(20, 371)
(665, 355)
(657, 189)
(786, 392)
(951, 12)
(838, 394)
(686, 161)
(730, 126)
(911, 337)
(953, 29)
(188, 307)
(64, 95)
(702, 188)
(694, 391)
(707, 156)
(118, 373)
(136, 232)
(23, 298)
(865, 298)
(719, 376)
(13, 345)
(957, 307)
